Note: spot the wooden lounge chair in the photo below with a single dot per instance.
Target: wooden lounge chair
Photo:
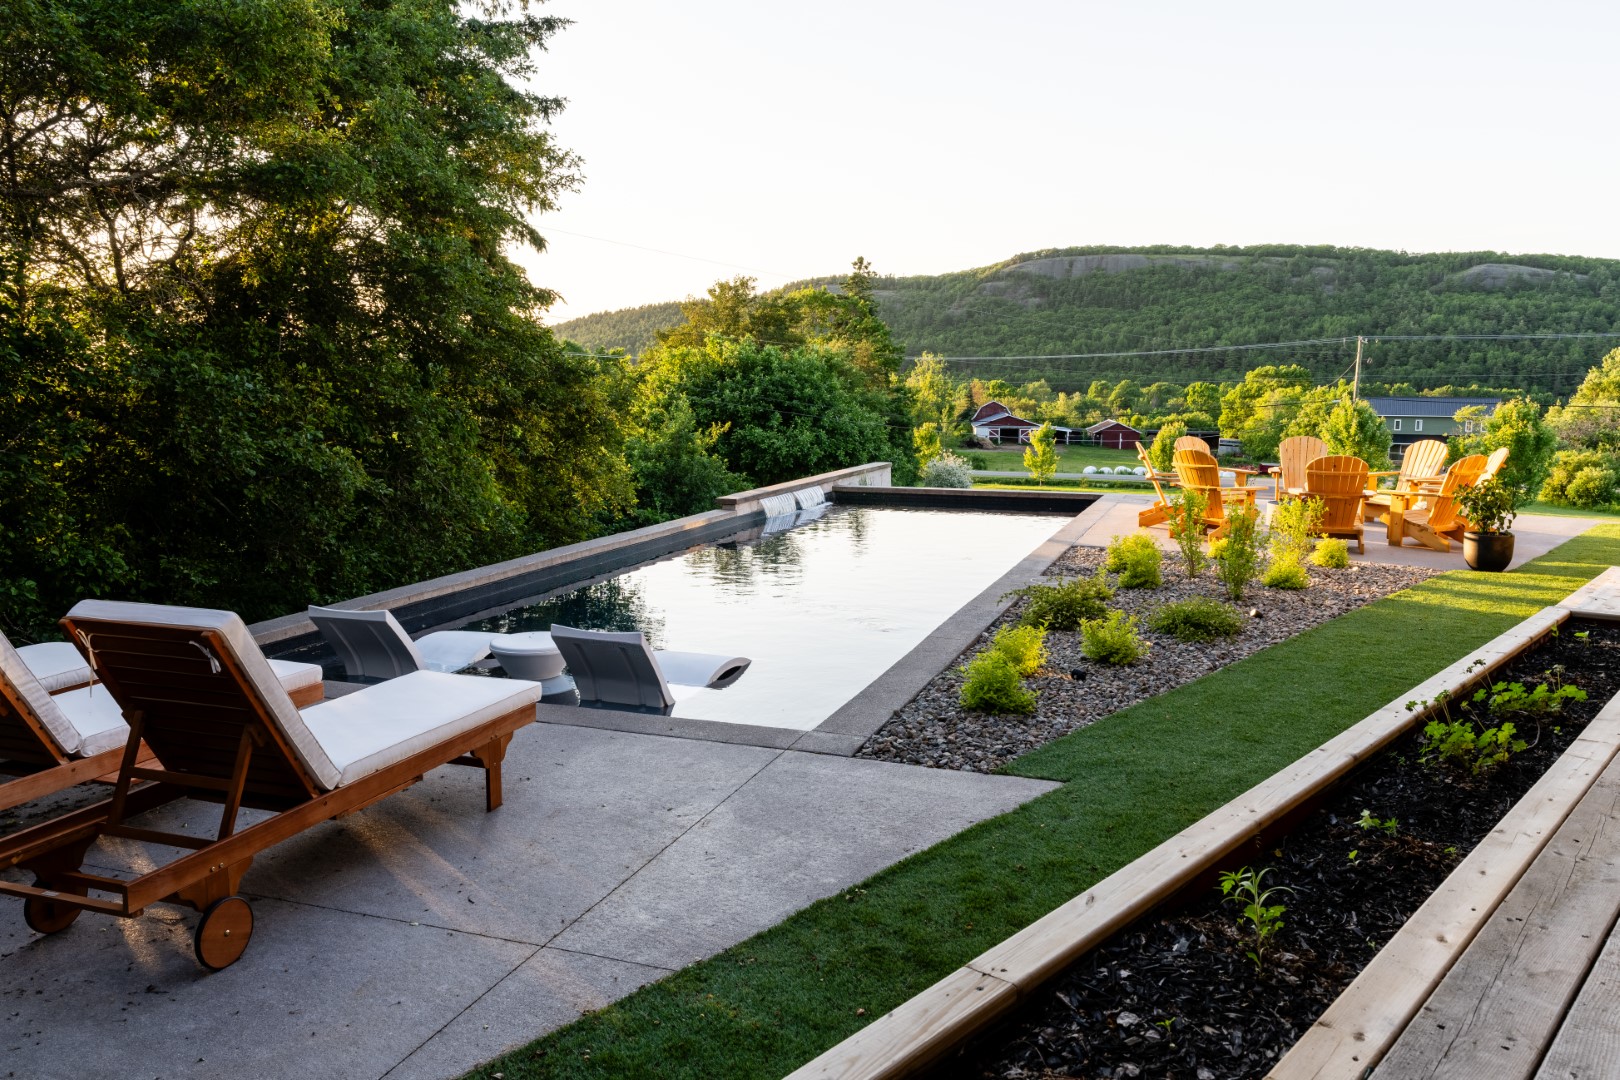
(1193, 442)
(372, 644)
(1339, 481)
(1294, 454)
(1439, 520)
(193, 684)
(50, 742)
(1198, 471)
(620, 668)
(1421, 473)
(1160, 510)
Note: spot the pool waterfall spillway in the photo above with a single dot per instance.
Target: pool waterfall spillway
(778, 506)
(810, 497)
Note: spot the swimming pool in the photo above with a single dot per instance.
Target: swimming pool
(822, 608)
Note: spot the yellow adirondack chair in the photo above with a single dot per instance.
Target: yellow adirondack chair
(1440, 521)
(1198, 471)
(1493, 464)
(1191, 442)
(1160, 510)
(1339, 481)
(1294, 454)
(1420, 472)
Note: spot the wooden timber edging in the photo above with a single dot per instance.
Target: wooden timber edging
(920, 1031)
(1365, 1021)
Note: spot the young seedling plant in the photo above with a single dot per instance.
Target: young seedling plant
(1263, 918)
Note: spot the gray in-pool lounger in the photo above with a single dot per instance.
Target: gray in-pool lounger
(621, 669)
(372, 644)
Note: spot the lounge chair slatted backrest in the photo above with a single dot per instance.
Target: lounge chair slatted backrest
(1293, 455)
(1192, 442)
(1440, 521)
(1339, 481)
(203, 687)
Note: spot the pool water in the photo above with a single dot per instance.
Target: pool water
(822, 608)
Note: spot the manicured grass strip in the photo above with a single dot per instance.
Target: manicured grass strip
(768, 1005)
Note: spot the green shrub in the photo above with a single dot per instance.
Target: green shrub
(1331, 554)
(1595, 490)
(1065, 606)
(1294, 525)
(1217, 548)
(1023, 646)
(992, 685)
(1285, 572)
(946, 471)
(1240, 555)
(1163, 451)
(1136, 559)
(1113, 639)
(1591, 488)
(1187, 529)
(1463, 745)
(1198, 619)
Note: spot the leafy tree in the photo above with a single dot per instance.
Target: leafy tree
(1518, 425)
(936, 397)
(260, 341)
(1203, 397)
(1591, 420)
(1040, 457)
(925, 440)
(782, 412)
(1354, 428)
(1163, 451)
(673, 460)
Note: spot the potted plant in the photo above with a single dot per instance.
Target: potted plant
(1490, 507)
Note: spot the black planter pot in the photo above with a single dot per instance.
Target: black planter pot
(1487, 551)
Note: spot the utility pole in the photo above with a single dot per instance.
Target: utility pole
(1355, 387)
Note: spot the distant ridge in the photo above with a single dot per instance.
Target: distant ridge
(1119, 299)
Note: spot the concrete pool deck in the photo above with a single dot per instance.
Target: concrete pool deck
(422, 937)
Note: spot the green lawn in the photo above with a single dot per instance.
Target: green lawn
(1539, 507)
(773, 1002)
(1070, 458)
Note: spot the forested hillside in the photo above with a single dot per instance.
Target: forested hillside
(632, 329)
(1118, 299)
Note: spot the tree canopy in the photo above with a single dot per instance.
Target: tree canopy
(259, 341)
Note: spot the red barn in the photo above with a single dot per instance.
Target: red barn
(1114, 435)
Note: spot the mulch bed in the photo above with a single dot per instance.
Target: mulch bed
(1177, 997)
(934, 730)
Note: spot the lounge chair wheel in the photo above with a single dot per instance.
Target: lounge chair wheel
(46, 916)
(223, 933)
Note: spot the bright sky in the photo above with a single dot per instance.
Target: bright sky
(783, 140)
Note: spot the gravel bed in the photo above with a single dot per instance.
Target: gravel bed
(933, 730)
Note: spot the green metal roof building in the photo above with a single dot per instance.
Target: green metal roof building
(1412, 418)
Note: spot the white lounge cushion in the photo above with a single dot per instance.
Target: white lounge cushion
(383, 724)
(56, 664)
(249, 658)
(96, 717)
(35, 697)
(294, 676)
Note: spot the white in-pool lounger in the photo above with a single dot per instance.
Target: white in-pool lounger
(622, 670)
(372, 644)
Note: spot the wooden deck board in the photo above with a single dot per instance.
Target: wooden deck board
(1588, 1044)
(1502, 1003)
